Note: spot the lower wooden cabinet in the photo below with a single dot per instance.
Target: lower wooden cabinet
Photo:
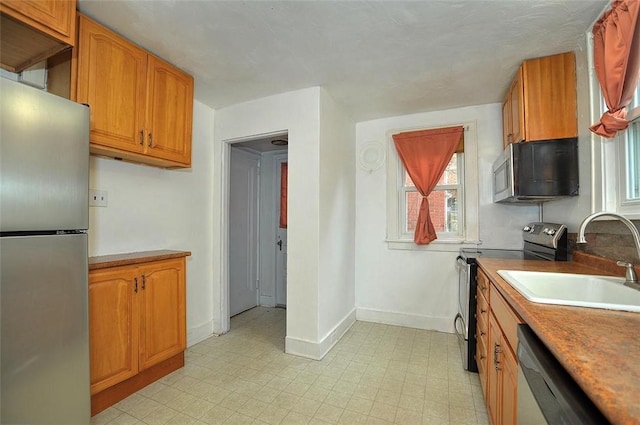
(495, 355)
(114, 324)
(482, 333)
(137, 321)
(502, 378)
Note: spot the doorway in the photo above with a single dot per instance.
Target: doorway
(256, 243)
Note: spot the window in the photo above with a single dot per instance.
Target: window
(444, 201)
(453, 203)
(616, 162)
(630, 193)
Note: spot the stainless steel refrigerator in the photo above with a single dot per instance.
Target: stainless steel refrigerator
(44, 179)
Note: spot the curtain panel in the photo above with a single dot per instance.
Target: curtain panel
(283, 195)
(425, 155)
(616, 57)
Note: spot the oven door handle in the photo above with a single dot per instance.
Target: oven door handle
(461, 261)
(461, 333)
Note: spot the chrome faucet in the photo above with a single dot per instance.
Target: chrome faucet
(631, 278)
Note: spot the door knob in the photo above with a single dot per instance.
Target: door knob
(279, 243)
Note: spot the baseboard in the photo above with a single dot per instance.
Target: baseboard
(418, 321)
(199, 333)
(317, 350)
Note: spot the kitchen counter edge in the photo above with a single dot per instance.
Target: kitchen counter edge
(598, 348)
(125, 259)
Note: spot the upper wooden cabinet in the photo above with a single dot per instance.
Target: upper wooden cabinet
(541, 101)
(33, 30)
(141, 106)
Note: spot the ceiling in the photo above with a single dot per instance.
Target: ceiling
(377, 58)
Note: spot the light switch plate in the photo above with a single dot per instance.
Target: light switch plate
(97, 198)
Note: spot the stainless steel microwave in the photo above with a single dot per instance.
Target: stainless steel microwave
(536, 171)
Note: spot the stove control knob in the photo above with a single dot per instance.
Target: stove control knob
(527, 229)
(551, 232)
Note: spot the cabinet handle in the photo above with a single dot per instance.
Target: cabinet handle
(144, 283)
(496, 352)
(483, 311)
(482, 333)
(150, 140)
(135, 286)
(141, 137)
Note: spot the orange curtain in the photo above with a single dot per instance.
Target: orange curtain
(616, 56)
(425, 155)
(283, 195)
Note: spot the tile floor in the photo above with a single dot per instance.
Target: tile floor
(376, 374)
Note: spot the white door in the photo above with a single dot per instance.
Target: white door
(243, 230)
(281, 249)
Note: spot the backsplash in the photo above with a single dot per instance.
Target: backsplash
(610, 239)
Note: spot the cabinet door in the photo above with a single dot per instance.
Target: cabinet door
(494, 376)
(509, 387)
(163, 327)
(112, 80)
(169, 112)
(551, 97)
(113, 326)
(53, 17)
(482, 335)
(516, 103)
(506, 121)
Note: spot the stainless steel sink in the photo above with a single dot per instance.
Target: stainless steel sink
(574, 289)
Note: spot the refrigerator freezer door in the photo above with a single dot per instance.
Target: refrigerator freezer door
(44, 160)
(44, 330)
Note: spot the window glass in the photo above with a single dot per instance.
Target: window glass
(443, 201)
(633, 161)
(635, 102)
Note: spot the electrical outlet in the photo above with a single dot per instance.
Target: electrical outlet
(97, 198)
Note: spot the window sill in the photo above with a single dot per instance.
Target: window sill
(439, 245)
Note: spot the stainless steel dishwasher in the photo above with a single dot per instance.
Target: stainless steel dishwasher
(546, 392)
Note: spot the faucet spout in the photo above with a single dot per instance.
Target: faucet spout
(627, 222)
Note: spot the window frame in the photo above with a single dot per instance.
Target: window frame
(397, 238)
(609, 167)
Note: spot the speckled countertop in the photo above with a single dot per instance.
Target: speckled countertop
(600, 349)
(106, 261)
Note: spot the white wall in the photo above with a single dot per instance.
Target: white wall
(298, 113)
(151, 208)
(336, 299)
(571, 211)
(419, 288)
(313, 188)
